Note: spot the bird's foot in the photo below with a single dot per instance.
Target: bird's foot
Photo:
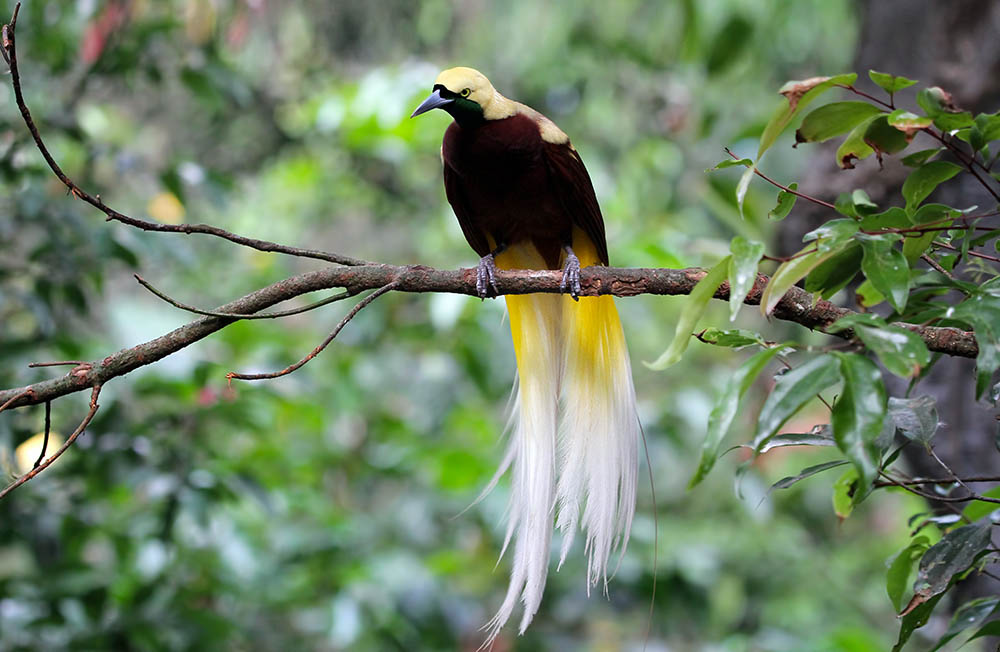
(486, 276)
(571, 275)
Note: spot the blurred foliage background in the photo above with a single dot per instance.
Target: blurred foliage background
(318, 511)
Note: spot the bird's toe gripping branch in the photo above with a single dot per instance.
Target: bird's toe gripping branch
(486, 276)
(571, 274)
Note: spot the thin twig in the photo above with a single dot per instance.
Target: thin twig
(942, 245)
(145, 225)
(45, 440)
(62, 449)
(57, 363)
(27, 393)
(815, 200)
(329, 338)
(933, 263)
(235, 315)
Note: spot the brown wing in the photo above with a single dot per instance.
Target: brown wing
(454, 189)
(576, 192)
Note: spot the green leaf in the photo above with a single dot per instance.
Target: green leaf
(890, 83)
(900, 567)
(818, 436)
(693, 310)
(798, 95)
(985, 129)
(788, 481)
(938, 105)
(982, 312)
(891, 218)
(725, 408)
(858, 414)
(883, 138)
(834, 274)
(902, 352)
(731, 162)
(746, 254)
(989, 629)
(736, 338)
(786, 200)
(924, 180)
(887, 268)
(971, 614)
(788, 274)
(916, 159)
(854, 147)
(832, 235)
(978, 509)
(908, 123)
(792, 391)
(843, 493)
(916, 418)
(863, 204)
(914, 619)
(937, 214)
(741, 188)
(834, 119)
(951, 556)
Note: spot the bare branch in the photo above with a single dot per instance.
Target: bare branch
(211, 313)
(796, 306)
(39, 467)
(326, 342)
(113, 215)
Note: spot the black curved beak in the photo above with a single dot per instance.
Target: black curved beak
(433, 101)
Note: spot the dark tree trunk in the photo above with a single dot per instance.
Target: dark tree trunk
(954, 45)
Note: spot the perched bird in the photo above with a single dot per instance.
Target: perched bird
(524, 200)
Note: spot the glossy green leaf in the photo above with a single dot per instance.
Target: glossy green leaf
(746, 254)
(916, 159)
(833, 119)
(741, 188)
(924, 180)
(900, 568)
(891, 218)
(909, 123)
(737, 338)
(989, 629)
(883, 138)
(854, 148)
(938, 105)
(890, 83)
(818, 436)
(726, 406)
(786, 200)
(731, 162)
(798, 95)
(832, 235)
(886, 267)
(788, 274)
(971, 614)
(832, 275)
(790, 480)
(693, 309)
(982, 312)
(985, 129)
(843, 493)
(858, 414)
(914, 619)
(791, 392)
(916, 418)
(902, 352)
(952, 555)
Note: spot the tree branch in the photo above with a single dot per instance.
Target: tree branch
(796, 306)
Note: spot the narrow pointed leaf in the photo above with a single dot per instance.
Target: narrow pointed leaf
(890, 83)
(924, 180)
(693, 310)
(858, 414)
(971, 614)
(725, 408)
(741, 188)
(887, 269)
(834, 119)
(746, 254)
(791, 392)
(790, 480)
(900, 567)
(788, 274)
(798, 95)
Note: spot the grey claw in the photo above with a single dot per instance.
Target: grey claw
(571, 276)
(486, 276)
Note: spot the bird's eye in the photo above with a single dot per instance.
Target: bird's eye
(465, 92)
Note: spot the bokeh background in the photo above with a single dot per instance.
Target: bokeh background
(321, 511)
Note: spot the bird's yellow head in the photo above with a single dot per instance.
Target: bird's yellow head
(468, 96)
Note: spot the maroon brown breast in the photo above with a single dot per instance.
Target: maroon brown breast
(498, 179)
